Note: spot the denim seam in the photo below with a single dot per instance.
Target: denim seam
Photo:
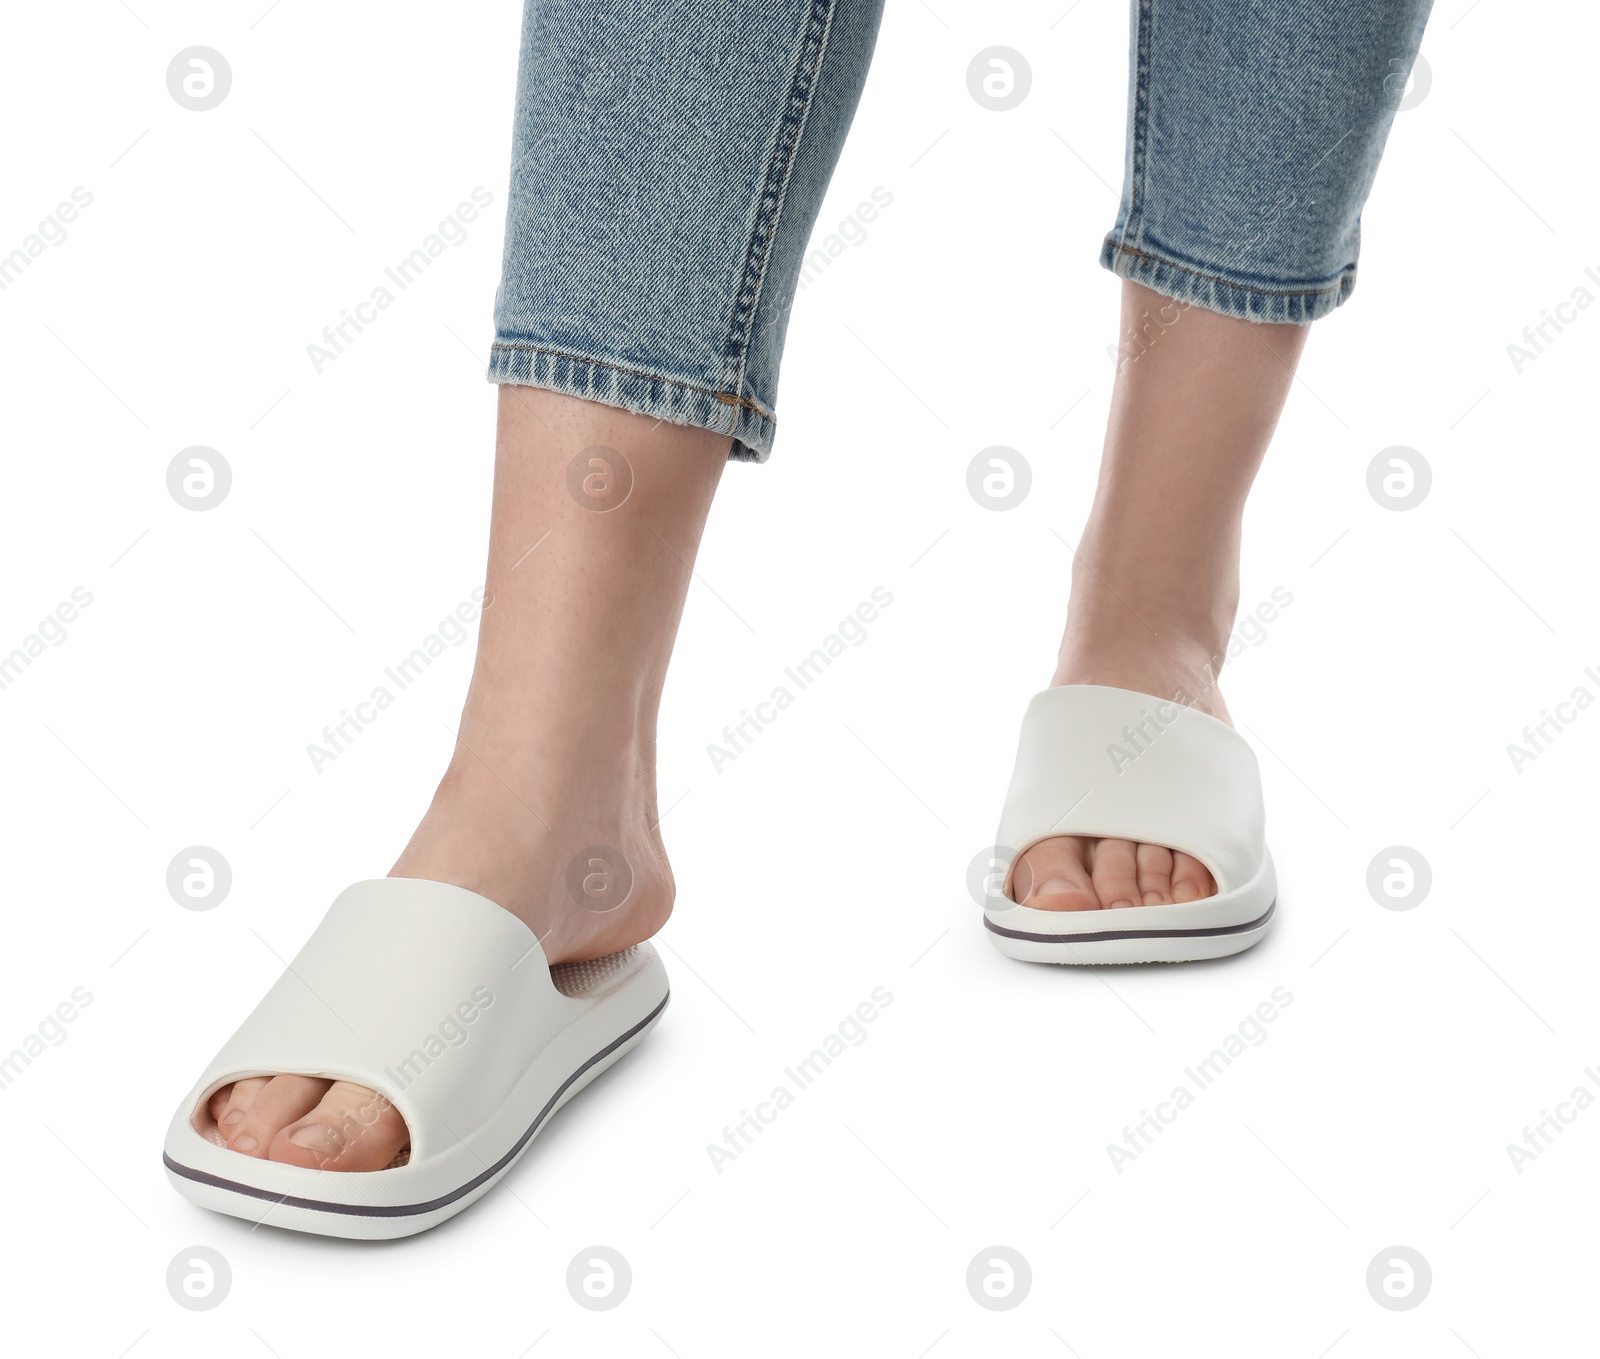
(727, 397)
(1140, 132)
(1228, 282)
(775, 186)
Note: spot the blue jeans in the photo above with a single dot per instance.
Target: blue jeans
(669, 162)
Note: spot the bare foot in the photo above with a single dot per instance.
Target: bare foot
(548, 806)
(1077, 873)
(478, 834)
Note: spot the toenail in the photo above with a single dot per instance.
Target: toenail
(1185, 891)
(1051, 887)
(316, 1137)
(1117, 905)
(244, 1143)
(1152, 898)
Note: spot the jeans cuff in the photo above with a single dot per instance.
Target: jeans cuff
(1208, 288)
(680, 403)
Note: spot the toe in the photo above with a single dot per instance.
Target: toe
(1116, 873)
(351, 1128)
(227, 1107)
(1190, 880)
(280, 1101)
(1054, 876)
(217, 1107)
(1155, 875)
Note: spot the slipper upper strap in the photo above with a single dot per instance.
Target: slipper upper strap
(1105, 762)
(432, 995)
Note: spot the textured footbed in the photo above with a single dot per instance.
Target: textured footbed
(579, 979)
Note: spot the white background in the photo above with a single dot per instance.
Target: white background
(829, 858)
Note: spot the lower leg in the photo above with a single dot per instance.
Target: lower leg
(1155, 579)
(596, 520)
(588, 571)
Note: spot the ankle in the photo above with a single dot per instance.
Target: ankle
(575, 854)
(1129, 633)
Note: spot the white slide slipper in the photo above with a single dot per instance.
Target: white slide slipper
(1113, 763)
(442, 1002)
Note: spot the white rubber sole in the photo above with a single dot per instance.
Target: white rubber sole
(386, 1222)
(1128, 945)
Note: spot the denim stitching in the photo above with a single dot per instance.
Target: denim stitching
(775, 185)
(1228, 282)
(1139, 133)
(727, 397)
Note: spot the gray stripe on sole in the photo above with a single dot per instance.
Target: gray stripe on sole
(1103, 936)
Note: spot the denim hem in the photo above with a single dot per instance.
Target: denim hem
(680, 403)
(1209, 289)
